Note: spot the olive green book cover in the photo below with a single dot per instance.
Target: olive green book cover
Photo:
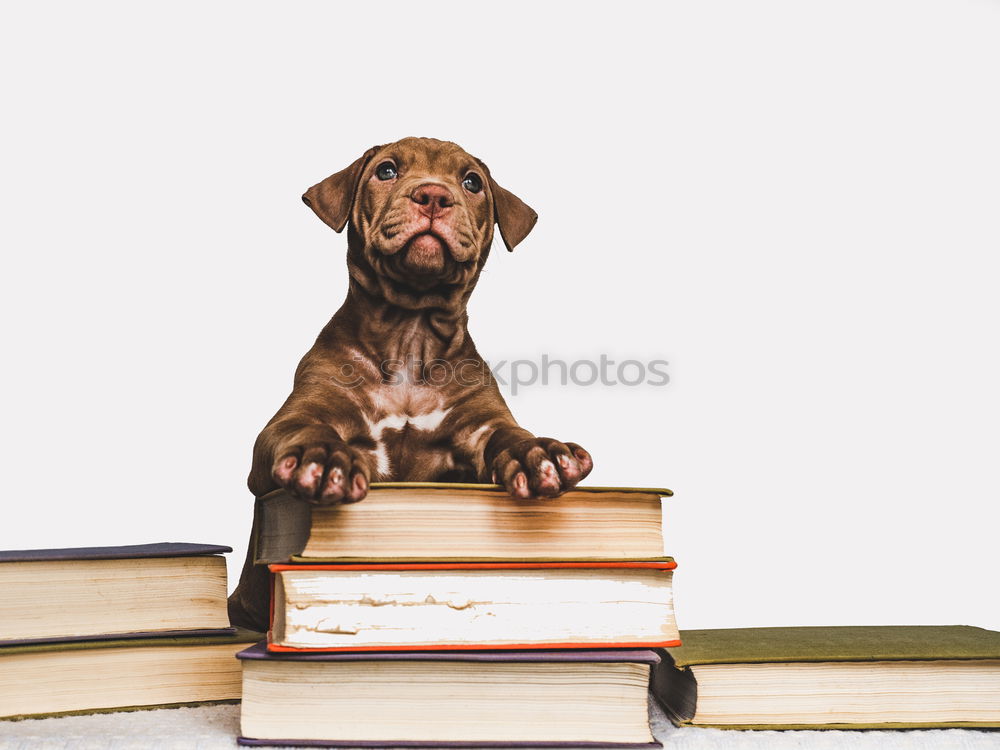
(675, 684)
(842, 643)
(204, 638)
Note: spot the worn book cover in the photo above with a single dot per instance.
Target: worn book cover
(122, 552)
(124, 592)
(472, 624)
(120, 674)
(484, 658)
(517, 529)
(675, 683)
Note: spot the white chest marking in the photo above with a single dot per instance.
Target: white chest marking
(424, 422)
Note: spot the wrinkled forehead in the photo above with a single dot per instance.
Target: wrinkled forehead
(428, 156)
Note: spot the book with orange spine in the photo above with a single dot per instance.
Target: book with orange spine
(465, 606)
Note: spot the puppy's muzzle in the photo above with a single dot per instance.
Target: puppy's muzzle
(433, 200)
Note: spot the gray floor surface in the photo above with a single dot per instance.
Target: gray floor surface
(216, 727)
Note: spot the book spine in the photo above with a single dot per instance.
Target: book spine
(277, 648)
(664, 565)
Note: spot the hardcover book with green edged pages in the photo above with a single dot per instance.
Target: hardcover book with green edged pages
(441, 522)
(859, 677)
(93, 676)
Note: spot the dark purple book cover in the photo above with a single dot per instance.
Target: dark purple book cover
(428, 744)
(641, 656)
(126, 552)
(198, 633)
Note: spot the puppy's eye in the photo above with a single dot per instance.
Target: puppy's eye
(472, 182)
(386, 171)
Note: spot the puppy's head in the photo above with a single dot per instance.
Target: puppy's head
(421, 215)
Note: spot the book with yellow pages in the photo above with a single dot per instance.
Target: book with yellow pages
(573, 698)
(885, 677)
(429, 521)
(96, 676)
(454, 606)
(138, 590)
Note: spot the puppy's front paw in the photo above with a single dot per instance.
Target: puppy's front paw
(541, 467)
(323, 473)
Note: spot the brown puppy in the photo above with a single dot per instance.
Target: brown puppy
(393, 388)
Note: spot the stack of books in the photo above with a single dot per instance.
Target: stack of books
(451, 614)
(115, 628)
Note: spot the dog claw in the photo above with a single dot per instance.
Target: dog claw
(586, 462)
(311, 474)
(358, 490)
(521, 485)
(286, 467)
(548, 478)
(570, 469)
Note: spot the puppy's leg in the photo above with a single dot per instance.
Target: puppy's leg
(312, 462)
(489, 439)
(307, 457)
(529, 466)
(249, 604)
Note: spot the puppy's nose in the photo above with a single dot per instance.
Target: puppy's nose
(432, 199)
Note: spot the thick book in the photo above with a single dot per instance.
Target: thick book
(428, 521)
(880, 677)
(472, 606)
(99, 592)
(74, 677)
(582, 698)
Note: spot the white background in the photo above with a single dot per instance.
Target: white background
(794, 203)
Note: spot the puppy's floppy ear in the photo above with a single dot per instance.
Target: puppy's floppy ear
(514, 217)
(333, 198)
